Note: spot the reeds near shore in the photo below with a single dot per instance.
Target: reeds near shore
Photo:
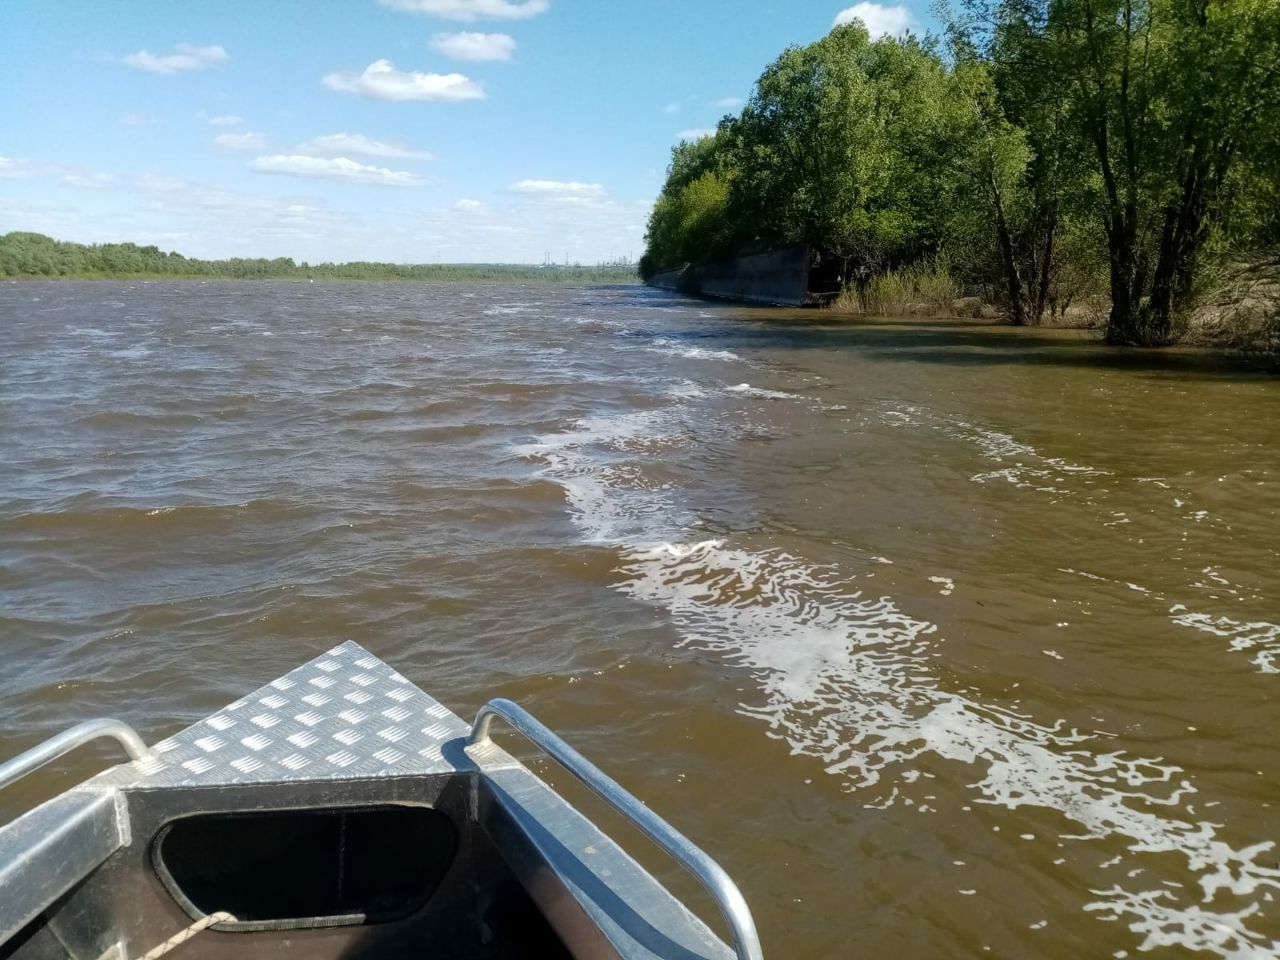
(925, 288)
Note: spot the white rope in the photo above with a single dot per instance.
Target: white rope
(178, 939)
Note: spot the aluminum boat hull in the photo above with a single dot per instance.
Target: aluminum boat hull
(344, 794)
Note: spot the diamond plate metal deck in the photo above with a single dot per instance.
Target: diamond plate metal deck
(344, 716)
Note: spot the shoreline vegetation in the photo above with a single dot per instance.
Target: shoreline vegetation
(1111, 164)
(33, 256)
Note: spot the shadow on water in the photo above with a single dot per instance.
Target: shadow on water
(959, 343)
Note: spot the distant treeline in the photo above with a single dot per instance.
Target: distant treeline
(1123, 154)
(33, 255)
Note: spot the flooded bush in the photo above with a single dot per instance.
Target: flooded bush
(927, 288)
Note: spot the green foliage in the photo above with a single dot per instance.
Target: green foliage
(927, 286)
(1159, 104)
(847, 146)
(690, 218)
(32, 255)
(1064, 153)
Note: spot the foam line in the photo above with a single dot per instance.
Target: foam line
(845, 677)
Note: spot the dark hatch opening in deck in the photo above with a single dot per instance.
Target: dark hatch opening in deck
(307, 868)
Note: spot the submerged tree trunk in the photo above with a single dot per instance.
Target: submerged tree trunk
(1186, 229)
(1013, 279)
(1045, 273)
(1124, 324)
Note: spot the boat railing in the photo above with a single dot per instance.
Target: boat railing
(24, 763)
(733, 906)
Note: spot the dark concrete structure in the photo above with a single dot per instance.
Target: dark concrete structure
(778, 277)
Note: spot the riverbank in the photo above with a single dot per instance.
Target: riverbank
(33, 256)
(895, 159)
(456, 275)
(1250, 329)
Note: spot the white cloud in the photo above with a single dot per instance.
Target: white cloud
(155, 183)
(560, 188)
(134, 119)
(382, 81)
(700, 133)
(531, 228)
(671, 108)
(240, 141)
(88, 181)
(468, 204)
(880, 20)
(12, 169)
(299, 219)
(334, 168)
(225, 120)
(345, 144)
(728, 103)
(469, 10)
(188, 57)
(474, 46)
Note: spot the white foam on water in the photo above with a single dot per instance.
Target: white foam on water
(1020, 463)
(761, 393)
(675, 348)
(1030, 467)
(1259, 637)
(687, 390)
(131, 353)
(845, 677)
(1164, 924)
(509, 309)
(604, 498)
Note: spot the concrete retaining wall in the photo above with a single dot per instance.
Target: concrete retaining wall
(667, 281)
(775, 277)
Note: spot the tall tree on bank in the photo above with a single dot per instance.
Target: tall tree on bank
(999, 161)
(1023, 157)
(1166, 97)
(839, 148)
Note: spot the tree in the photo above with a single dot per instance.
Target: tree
(1167, 97)
(838, 149)
(689, 218)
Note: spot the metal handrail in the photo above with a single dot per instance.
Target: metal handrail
(746, 942)
(55, 747)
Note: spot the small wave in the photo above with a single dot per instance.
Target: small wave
(1020, 464)
(688, 390)
(748, 390)
(1260, 637)
(171, 520)
(845, 679)
(132, 353)
(675, 348)
(606, 502)
(508, 309)
(122, 419)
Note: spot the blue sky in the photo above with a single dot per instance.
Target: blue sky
(399, 130)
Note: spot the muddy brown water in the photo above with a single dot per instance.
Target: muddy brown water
(945, 639)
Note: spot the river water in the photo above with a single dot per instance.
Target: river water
(945, 639)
